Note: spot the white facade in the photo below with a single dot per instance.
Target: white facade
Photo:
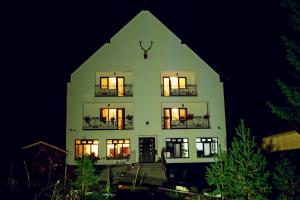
(96, 112)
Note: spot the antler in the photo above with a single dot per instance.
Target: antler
(145, 50)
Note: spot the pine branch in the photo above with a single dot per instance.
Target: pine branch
(292, 96)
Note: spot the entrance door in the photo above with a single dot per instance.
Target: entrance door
(147, 149)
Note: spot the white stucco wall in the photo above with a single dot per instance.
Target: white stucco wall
(123, 55)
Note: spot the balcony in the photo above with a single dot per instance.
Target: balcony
(191, 122)
(190, 90)
(127, 91)
(94, 123)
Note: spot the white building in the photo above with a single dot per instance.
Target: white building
(142, 93)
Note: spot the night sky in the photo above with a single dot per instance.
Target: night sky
(43, 43)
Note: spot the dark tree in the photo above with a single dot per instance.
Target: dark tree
(291, 93)
(285, 180)
(241, 173)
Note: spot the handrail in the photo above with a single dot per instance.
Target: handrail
(127, 91)
(163, 160)
(198, 122)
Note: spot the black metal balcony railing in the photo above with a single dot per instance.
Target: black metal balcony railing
(128, 91)
(198, 122)
(190, 90)
(94, 123)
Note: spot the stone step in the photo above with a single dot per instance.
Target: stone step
(149, 173)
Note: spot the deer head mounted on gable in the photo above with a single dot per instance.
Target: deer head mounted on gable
(146, 50)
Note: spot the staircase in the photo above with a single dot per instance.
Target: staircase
(142, 173)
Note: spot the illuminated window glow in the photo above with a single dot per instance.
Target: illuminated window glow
(114, 115)
(113, 83)
(173, 83)
(174, 114)
(118, 148)
(86, 147)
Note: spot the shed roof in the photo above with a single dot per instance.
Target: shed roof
(44, 143)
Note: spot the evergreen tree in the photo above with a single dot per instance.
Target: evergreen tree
(241, 174)
(285, 180)
(217, 173)
(86, 179)
(291, 111)
(247, 166)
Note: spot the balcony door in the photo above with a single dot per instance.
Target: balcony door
(176, 115)
(115, 84)
(166, 86)
(113, 115)
(121, 117)
(172, 86)
(147, 149)
(120, 86)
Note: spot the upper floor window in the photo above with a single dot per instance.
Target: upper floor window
(86, 147)
(175, 82)
(178, 83)
(177, 148)
(206, 147)
(103, 116)
(112, 86)
(173, 116)
(113, 116)
(118, 148)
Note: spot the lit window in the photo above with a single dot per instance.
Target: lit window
(115, 84)
(177, 147)
(182, 82)
(206, 147)
(178, 114)
(177, 82)
(174, 115)
(112, 83)
(86, 147)
(118, 149)
(103, 83)
(174, 82)
(113, 115)
(174, 86)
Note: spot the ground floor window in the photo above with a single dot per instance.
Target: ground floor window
(86, 147)
(118, 148)
(206, 147)
(177, 148)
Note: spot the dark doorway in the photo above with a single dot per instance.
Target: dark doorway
(147, 149)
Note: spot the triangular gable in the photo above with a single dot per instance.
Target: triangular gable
(43, 143)
(143, 27)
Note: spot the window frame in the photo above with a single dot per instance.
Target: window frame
(176, 141)
(213, 146)
(171, 116)
(87, 142)
(178, 82)
(117, 83)
(122, 127)
(115, 156)
(107, 80)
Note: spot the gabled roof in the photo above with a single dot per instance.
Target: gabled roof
(144, 27)
(44, 143)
